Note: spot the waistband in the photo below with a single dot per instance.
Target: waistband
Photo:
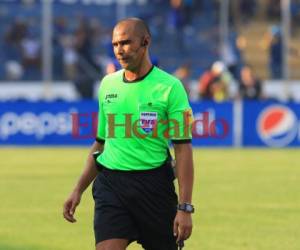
(160, 168)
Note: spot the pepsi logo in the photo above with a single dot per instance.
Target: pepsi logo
(277, 126)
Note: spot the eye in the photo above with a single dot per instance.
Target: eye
(125, 42)
(121, 43)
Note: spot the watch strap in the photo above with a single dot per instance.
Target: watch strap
(186, 207)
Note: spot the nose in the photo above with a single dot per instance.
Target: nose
(119, 49)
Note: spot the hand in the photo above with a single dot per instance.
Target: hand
(70, 206)
(182, 227)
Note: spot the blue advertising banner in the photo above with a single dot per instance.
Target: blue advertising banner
(213, 123)
(48, 123)
(75, 123)
(271, 124)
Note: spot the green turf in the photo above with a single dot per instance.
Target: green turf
(245, 200)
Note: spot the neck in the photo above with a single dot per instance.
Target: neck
(140, 71)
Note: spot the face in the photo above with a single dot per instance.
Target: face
(128, 47)
(246, 74)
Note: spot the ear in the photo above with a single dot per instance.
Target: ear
(146, 42)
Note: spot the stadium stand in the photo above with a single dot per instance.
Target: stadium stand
(197, 45)
(184, 32)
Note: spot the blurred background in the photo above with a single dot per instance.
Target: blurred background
(67, 43)
(234, 57)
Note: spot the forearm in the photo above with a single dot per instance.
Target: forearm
(90, 171)
(185, 171)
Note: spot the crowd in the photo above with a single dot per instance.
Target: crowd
(216, 84)
(22, 48)
(82, 50)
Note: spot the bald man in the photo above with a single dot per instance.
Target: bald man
(141, 108)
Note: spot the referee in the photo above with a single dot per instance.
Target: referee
(141, 108)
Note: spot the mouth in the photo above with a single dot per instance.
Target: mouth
(124, 60)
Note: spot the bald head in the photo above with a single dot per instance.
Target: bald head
(136, 26)
(131, 39)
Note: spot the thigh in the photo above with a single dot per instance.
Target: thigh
(154, 211)
(162, 244)
(115, 244)
(111, 218)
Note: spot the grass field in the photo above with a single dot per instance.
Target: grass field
(245, 200)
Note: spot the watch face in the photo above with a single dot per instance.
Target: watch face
(186, 207)
(189, 208)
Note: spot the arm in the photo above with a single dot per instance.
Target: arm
(185, 174)
(89, 173)
(180, 110)
(185, 171)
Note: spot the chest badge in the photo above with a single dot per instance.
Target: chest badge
(148, 121)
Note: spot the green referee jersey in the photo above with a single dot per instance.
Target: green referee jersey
(137, 119)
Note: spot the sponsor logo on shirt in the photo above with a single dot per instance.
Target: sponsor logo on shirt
(110, 97)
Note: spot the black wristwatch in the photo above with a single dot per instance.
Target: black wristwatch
(186, 207)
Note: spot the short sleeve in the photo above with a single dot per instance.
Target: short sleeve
(101, 119)
(180, 114)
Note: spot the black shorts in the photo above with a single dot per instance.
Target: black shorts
(139, 205)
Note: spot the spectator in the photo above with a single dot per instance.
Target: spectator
(16, 33)
(231, 55)
(60, 36)
(60, 26)
(188, 6)
(31, 52)
(176, 23)
(70, 57)
(83, 42)
(214, 83)
(12, 41)
(87, 70)
(176, 19)
(249, 85)
(274, 45)
(183, 74)
(248, 9)
(273, 9)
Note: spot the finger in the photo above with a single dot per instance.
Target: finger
(65, 210)
(180, 235)
(180, 244)
(67, 214)
(186, 232)
(175, 228)
(69, 217)
(73, 207)
(72, 210)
